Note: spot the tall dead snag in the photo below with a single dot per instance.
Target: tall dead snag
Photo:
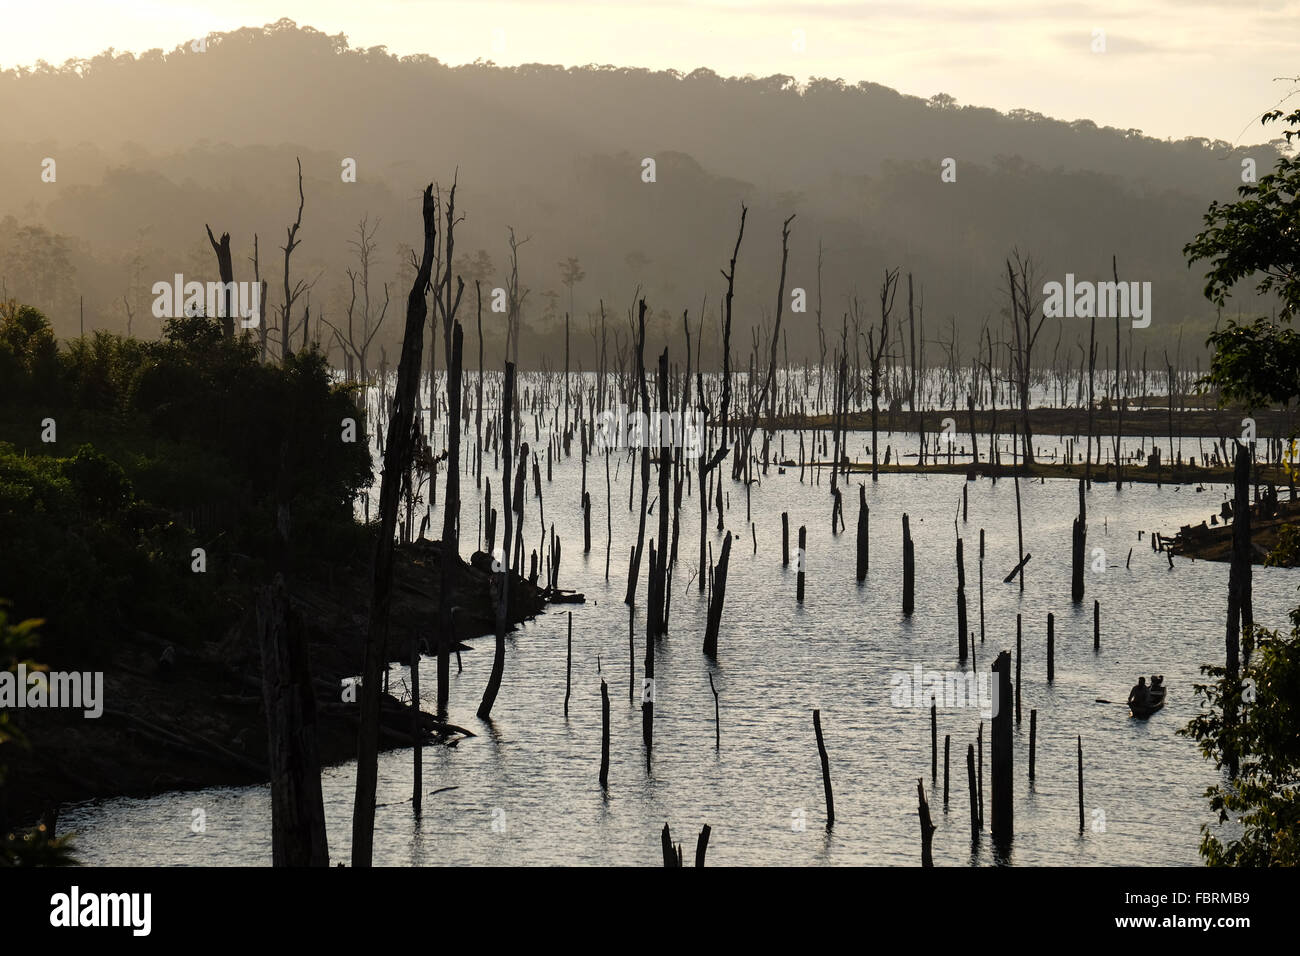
(876, 353)
(502, 565)
(1003, 778)
(398, 451)
(680, 465)
(656, 613)
(1079, 546)
(515, 298)
(261, 302)
(1241, 617)
(297, 807)
(768, 395)
(291, 293)
(726, 351)
(227, 270)
(453, 344)
(451, 518)
(1024, 303)
(644, 393)
(716, 598)
(356, 345)
(1121, 397)
(1092, 379)
(648, 687)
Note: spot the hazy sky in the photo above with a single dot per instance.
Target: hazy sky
(1170, 67)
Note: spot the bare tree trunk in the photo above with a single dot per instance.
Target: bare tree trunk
(227, 270)
(503, 586)
(297, 808)
(726, 349)
(291, 294)
(1241, 616)
(397, 458)
(634, 570)
(451, 516)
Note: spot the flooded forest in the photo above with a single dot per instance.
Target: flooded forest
(615, 467)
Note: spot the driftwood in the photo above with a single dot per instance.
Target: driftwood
(1016, 569)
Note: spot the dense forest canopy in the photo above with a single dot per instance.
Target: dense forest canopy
(557, 154)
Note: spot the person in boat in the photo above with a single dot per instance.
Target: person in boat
(1156, 681)
(1139, 696)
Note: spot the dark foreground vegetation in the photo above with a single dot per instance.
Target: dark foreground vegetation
(140, 493)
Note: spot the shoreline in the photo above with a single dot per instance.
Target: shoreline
(202, 722)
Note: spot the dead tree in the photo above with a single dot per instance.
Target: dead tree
(261, 309)
(227, 270)
(655, 614)
(398, 452)
(453, 343)
(1092, 376)
(291, 294)
(356, 345)
(503, 579)
(515, 300)
(634, 571)
(1120, 397)
(875, 354)
(768, 394)
(1241, 616)
(293, 755)
(730, 276)
(1024, 303)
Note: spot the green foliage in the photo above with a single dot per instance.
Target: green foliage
(100, 371)
(16, 642)
(194, 441)
(1257, 234)
(33, 848)
(1286, 553)
(1254, 365)
(99, 482)
(28, 350)
(1263, 799)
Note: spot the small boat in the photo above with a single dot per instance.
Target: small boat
(1155, 700)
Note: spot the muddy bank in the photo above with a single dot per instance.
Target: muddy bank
(201, 722)
(1183, 474)
(1138, 422)
(1213, 541)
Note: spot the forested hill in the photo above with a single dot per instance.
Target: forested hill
(558, 155)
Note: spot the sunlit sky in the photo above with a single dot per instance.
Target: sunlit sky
(1171, 68)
